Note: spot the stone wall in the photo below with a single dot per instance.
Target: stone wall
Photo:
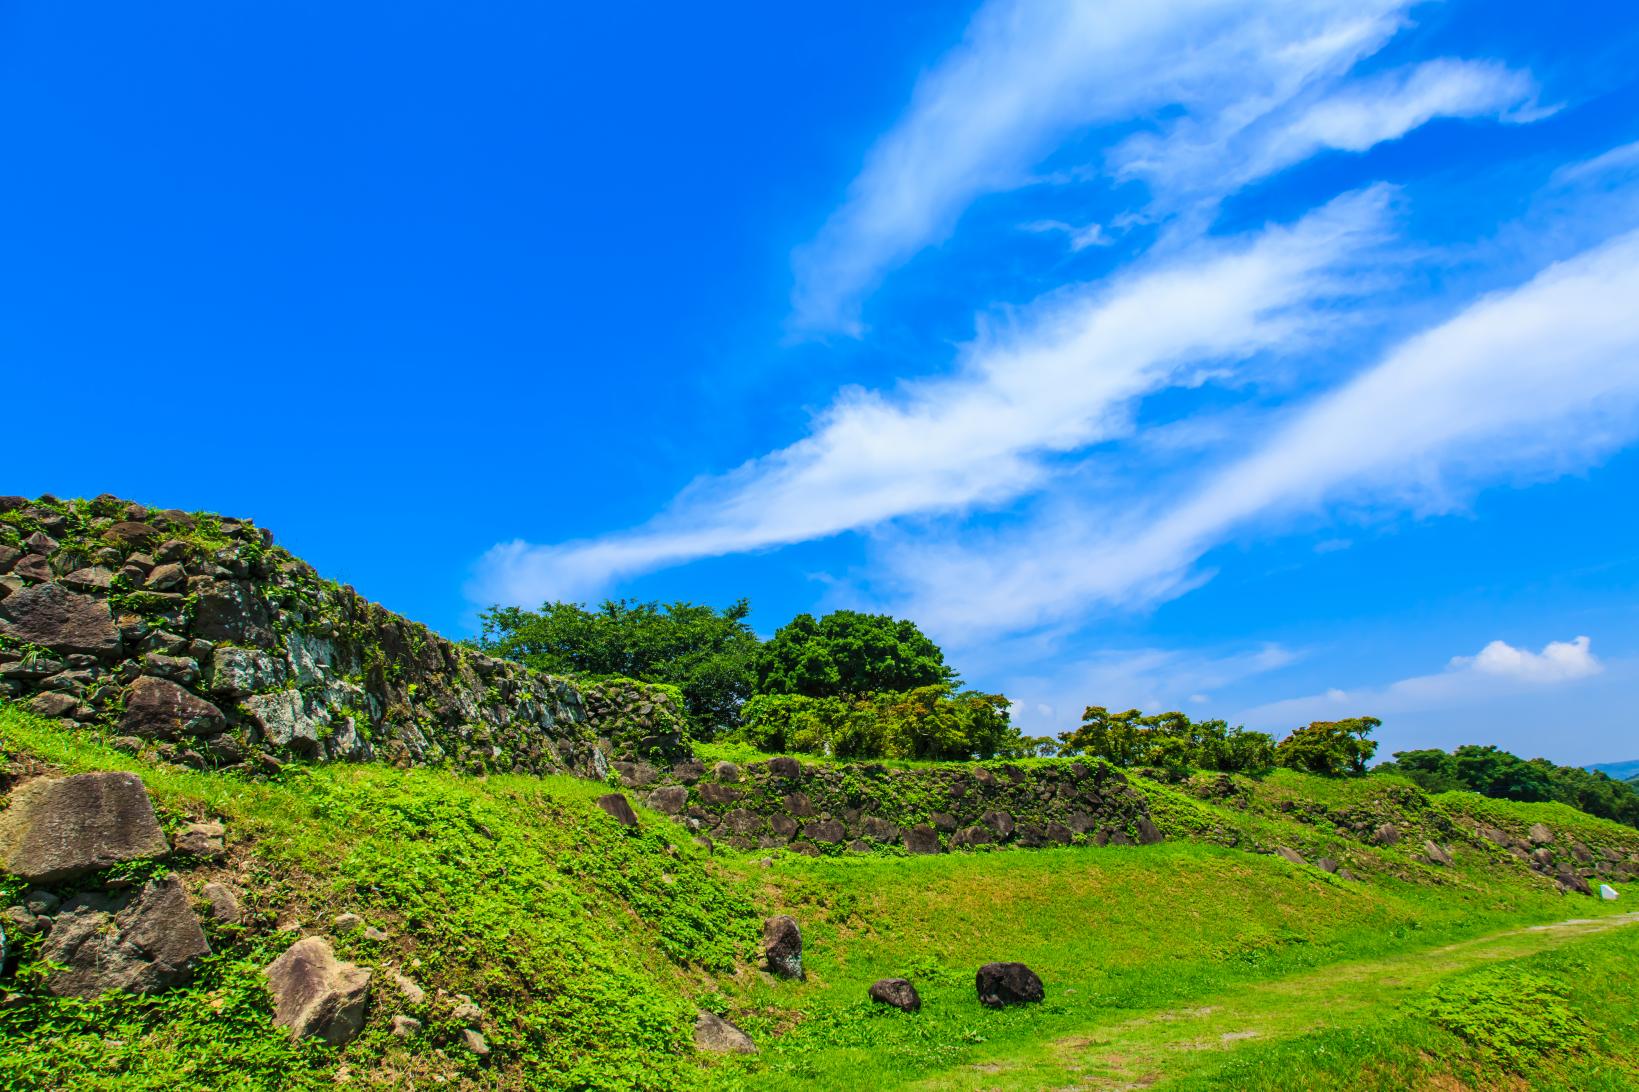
(815, 808)
(196, 637)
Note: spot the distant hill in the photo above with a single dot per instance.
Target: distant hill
(1622, 771)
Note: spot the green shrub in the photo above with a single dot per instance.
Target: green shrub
(1519, 1017)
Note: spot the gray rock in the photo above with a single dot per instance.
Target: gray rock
(92, 578)
(229, 611)
(160, 709)
(788, 768)
(1540, 835)
(202, 840)
(238, 672)
(225, 903)
(405, 1027)
(413, 993)
(1570, 881)
(178, 669)
(1148, 833)
(284, 720)
(1437, 854)
(65, 621)
(828, 831)
(1000, 822)
(619, 808)
(346, 923)
(148, 944)
(58, 829)
(49, 704)
(669, 800)
(782, 946)
(897, 992)
(166, 578)
(922, 839)
(1290, 854)
(1386, 835)
(1326, 864)
(726, 771)
(1001, 984)
(475, 1042)
(1607, 892)
(713, 1033)
(315, 995)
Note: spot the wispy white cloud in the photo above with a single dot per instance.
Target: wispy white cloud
(1206, 157)
(1498, 670)
(1063, 375)
(1030, 73)
(1537, 380)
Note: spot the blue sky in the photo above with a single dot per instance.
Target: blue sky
(1269, 361)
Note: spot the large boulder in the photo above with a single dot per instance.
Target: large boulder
(782, 946)
(1002, 984)
(713, 1033)
(618, 808)
(921, 839)
(58, 829)
(145, 944)
(897, 992)
(61, 620)
(316, 995)
(229, 611)
(158, 708)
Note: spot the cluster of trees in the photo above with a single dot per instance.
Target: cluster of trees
(1492, 771)
(1172, 741)
(928, 722)
(847, 684)
(855, 685)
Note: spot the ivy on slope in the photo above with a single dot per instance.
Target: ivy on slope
(580, 940)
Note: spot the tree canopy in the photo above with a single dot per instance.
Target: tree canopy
(1492, 771)
(929, 722)
(1332, 748)
(1168, 741)
(849, 653)
(707, 654)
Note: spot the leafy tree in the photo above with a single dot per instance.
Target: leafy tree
(929, 722)
(708, 654)
(1169, 741)
(848, 653)
(1333, 748)
(1495, 772)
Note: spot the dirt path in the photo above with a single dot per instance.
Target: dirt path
(1143, 1051)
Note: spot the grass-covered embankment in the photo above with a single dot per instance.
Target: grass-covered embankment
(578, 939)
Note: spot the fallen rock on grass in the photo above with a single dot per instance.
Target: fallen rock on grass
(782, 946)
(61, 828)
(140, 943)
(713, 1033)
(897, 992)
(1001, 984)
(316, 995)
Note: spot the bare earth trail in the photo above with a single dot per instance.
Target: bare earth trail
(1148, 1051)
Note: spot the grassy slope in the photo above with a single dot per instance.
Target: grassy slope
(577, 938)
(1121, 933)
(589, 948)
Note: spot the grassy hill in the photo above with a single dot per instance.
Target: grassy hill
(437, 815)
(589, 947)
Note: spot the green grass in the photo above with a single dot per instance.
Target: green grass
(580, 940)
(1190, 964)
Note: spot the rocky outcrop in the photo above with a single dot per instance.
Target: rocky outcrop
(197, 635)
(897, 993)
(713, 1033)
(315, 995)
(1001, 984)
(782, 946)
(817, 808)
(141, 943)
(59, 829)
